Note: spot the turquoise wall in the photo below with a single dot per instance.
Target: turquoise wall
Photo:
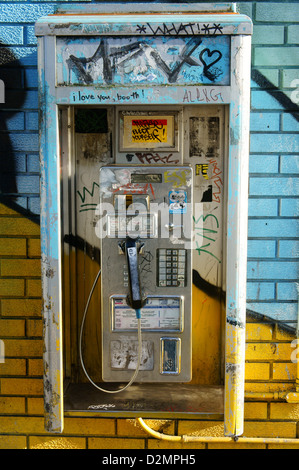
(273, 246)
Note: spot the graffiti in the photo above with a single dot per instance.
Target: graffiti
(101, 407)
(82, 65)
(146, 259)
(202, 95)
(200, 249)
(133, 188)
(87, 206)
(141, 29)
(133, 95)
(126, 60)
(216, 180)
(177, 178)
(214, 29)
(80, 97)
(209, 234)
(216, 194)
(172, 74)
(85, 190)
(149, 130)
(149, 158)
(205, 56)
(182, 28)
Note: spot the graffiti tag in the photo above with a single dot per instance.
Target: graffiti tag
(150, 157)
(210, 234)
(182, 28)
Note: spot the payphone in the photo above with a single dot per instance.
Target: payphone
(144, 225)
(146, 266)
(144, 167)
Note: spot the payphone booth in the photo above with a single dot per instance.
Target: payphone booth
(144, 145)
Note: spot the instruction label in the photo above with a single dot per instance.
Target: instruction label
(157, 314)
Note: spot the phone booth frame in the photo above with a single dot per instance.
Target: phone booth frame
(210, 19)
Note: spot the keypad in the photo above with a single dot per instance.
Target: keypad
(171, 267)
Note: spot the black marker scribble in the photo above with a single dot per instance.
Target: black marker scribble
(212, 30)
(209, 58)
(185, 58)
(83, 67)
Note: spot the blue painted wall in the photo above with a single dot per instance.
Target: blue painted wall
(274, 162)
(273, 229)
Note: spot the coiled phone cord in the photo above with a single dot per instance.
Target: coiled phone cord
(80, 345)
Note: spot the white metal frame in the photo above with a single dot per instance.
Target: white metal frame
(236, 96)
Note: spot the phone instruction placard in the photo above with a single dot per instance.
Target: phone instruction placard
(157, 314)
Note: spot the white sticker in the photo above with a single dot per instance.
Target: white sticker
(177, 202)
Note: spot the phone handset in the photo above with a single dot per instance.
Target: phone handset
(134, 298)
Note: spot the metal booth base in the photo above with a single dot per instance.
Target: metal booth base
(147, 400)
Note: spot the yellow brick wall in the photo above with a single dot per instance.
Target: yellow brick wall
(268, 369)
(268, 358)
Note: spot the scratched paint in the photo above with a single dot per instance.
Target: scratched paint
(136, 60)
(234, 378)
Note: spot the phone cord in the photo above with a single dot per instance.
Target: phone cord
(80, 346)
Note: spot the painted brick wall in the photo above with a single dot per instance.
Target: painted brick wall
(273, 243)
(273, 248)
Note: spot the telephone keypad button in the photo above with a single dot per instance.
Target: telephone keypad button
(171, 262)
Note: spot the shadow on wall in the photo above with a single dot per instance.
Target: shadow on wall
(276, 93)
(12, 73)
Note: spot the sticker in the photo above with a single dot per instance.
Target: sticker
(161, 313)
(207, 195)
(202, 169)
(177, 202)
(149, 130)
